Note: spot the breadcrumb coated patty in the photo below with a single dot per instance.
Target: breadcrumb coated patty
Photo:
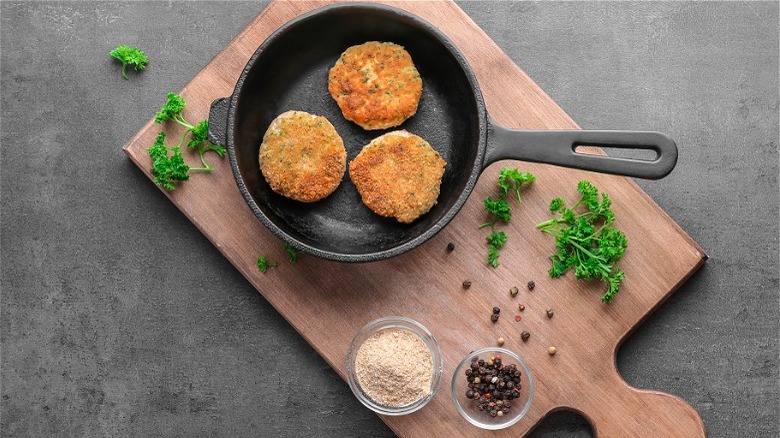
(302, 156)
(398, 175)
(376, 85)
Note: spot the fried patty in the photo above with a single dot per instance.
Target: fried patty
(398, 175)
(376, 85)
(302, 156)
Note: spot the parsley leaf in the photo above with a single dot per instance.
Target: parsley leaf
(131, 56)
(167, 169)
(512, 179)
(496, 238)
(499, 209)
(586, 241)
(291, 252)
(556, 205)
(263, 264)
(493, 254)
(172, 109)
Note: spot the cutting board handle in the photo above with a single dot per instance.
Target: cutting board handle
(559, 147)
(218, 121)
(629, 412)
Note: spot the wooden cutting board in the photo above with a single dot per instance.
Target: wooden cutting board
(328, 302)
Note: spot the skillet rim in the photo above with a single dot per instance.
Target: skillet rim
(437, 226)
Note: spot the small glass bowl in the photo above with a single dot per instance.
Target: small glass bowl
(467, 407)
(388, 323)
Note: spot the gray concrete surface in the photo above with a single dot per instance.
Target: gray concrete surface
(120, 319)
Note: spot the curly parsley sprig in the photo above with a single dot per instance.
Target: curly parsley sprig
(131, 56)
(167, 170)
(263, 264)
(499, 209)
(586, 241)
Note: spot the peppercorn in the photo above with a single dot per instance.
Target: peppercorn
(551, 351)
(470, 394)
(500, 413)
(524, 336)
(550, 313)
(521, 307)
(513, 291)
(466, 284)
(531, 285)
(496, 310)
(518, 318)
(450, 247)
(494, 318)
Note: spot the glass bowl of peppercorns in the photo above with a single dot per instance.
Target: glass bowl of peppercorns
(492, 388)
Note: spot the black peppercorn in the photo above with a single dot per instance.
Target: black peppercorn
(450, 247)
(550, 313)
(524, 336)
(494, 318)
(469, 372)
(496, 310)
(531, 285)
(466, 284)
(469, 394)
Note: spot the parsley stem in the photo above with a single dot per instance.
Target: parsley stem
(178, 118)
(598, 258)
(203, 161)
(124, 68)
(181, 142)
(547, 223)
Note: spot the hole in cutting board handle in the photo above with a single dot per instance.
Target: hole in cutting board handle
(564, 422)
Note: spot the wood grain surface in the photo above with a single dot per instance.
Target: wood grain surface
(328, 302)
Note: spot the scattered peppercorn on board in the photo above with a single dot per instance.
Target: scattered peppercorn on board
(328, 302)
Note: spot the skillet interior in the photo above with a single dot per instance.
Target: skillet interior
(290, 71)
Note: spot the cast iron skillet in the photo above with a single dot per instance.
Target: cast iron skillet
(290, 70)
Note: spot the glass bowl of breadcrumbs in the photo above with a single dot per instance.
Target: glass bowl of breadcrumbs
(394, 365)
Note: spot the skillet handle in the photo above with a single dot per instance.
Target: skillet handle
(218, 121)
(558, 147)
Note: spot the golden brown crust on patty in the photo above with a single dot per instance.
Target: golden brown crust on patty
(376, 85)
(398, 175)
(302, 156)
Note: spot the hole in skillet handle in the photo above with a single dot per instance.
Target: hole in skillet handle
(633, 154)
